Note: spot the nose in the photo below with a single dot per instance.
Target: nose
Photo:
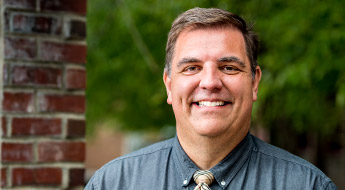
(211, 78)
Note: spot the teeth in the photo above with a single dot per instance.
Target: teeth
(209, 104)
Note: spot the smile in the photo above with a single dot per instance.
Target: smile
(210, 104)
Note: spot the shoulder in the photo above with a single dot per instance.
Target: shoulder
(141, 154)
(276, 153)
(117, 171)
(156, 148)
(289, 165)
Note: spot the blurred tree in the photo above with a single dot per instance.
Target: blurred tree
(302, 92)
(302, 46)
(301, 95)
(126, 52)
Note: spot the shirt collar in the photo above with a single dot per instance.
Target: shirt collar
(185, 166)
(223, 172)
(227, 169)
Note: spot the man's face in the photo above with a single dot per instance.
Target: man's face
(211, 88)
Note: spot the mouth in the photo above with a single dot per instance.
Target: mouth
(211, 103)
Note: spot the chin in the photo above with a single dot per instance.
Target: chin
(210, 130)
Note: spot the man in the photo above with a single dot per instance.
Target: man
(212, 78)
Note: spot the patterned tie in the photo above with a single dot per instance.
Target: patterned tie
(203, 178)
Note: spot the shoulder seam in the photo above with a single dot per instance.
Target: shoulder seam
(327, 183)
(142, 154)
(134, 156)
(297, 163)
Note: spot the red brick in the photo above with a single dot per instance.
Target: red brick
(3, 126)
(75, 6)
(34, 176)
(76, 78)
(22, 176)
(20, 48)
(75, 128)
(16, 152)
(59, 52)
(62, 103)
(20, 4)
(31, 23)
(48, 176)
(28, 75)
(35, 126)
(21, 102)
(76, 177)
(61, 151)
(3, 177)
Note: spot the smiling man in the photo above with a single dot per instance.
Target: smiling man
(211, 88)
(211, 77)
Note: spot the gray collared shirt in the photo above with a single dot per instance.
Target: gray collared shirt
(253, 164)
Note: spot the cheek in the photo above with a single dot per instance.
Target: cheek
(182, 89)
(240, 88)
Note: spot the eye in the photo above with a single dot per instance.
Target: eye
(191, 69)
(229, 69)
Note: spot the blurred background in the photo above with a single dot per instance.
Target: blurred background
(301, 104)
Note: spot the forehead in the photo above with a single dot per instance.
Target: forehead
(209, 43)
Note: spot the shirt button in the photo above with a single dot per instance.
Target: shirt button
(222, 183)
(185, 182)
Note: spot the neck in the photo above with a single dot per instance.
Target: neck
(206, 152)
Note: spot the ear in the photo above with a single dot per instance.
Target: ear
(256, 82)
(167, 83)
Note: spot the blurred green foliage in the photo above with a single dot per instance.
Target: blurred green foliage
(301, 55)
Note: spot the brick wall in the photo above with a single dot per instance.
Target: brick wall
(42, 89)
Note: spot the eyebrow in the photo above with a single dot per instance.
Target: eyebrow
(187, 60)
(221, 60)
(232, 59)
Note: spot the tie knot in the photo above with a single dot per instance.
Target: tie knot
(203, 176)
